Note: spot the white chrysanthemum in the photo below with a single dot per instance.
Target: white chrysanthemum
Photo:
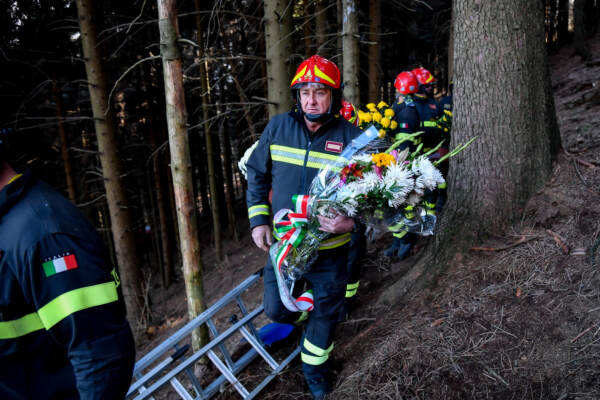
(428, 176)
(370, 182)
(399, 182)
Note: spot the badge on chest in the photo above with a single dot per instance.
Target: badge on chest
(334, 147)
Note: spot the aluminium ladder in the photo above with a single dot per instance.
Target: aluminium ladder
(167, 363)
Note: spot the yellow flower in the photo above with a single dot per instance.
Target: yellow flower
(393, 125)
(383, 159)
(389, 113)
(376, 116)
(381, 133)
(371, 107)
(385, 122)
(366, 118)
(382, 104)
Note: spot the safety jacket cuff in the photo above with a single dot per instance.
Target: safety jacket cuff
(260, 219)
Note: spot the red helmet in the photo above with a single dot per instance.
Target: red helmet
(317, 69)
(349, 112)
(406, 83)
(423, 76)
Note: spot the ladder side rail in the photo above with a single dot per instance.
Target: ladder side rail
(184, 364)
(180, 389)
(193, 324)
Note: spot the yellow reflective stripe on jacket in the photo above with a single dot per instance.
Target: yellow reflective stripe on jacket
(312, 360)
(442, 185)
(20, 327)
(335, 241)
(429, 124)
(60, 308)
(351, 289)
(77, 300)
(292, 155)
(260, 209)
(316, 350)
(399, 235)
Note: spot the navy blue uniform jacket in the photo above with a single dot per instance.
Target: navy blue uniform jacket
(63, 332)
(287, 158)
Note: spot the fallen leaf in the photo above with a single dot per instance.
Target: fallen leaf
(437, 322)
(519, 292)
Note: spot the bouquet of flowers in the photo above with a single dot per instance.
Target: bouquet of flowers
(380, 116)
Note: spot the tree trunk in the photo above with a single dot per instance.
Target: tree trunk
(228, 174)
(563, 22)
(278, 47)
(321, 25)
(308, 36)
(450, 75)
(374, 51)
(350, 51)
(181, 164)
(579, 35)
(515, 126)
(163, 219)
(125, 248)
(214, 195)
(64, 146)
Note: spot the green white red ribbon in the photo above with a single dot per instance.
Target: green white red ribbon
(290, 230)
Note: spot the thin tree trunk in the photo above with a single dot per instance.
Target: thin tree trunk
(64, 146)
(124, 242)
(579, 37)
(563, 22)
(278, 45)
(228, 175)
(374, 49)
(163, 219)
(515, 127)
(308, 23)
(451, 49)
(321, 25)
(350, 51)
(181, 165)
(210, 156)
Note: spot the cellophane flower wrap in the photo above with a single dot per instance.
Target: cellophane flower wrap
(386, 190)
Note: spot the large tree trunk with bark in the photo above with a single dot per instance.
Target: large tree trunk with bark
(278, 47)
(374, 50)
(181, 165)
(210, 156)
(350, 51)
(503, 97)
(124, 242)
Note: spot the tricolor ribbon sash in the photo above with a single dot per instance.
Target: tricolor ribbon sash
(290, 228)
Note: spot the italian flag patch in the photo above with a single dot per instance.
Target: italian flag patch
(403, 125)
(60, 263)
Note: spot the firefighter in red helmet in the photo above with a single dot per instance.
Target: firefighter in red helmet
(291, 150)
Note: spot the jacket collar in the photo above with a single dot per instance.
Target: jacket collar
(12, 192)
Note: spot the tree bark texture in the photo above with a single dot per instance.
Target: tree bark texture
(374, 51)
(124, 242)
(64, 146)
(502, 97)
(321, 27)
(181, 164)
(210, 156)
(350, 51)
(278, 48)
(224, 133)
(579, 33)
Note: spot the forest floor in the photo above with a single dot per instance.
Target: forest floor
(514, 317)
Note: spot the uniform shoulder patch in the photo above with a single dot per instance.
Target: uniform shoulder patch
(59, 263)
(335, 147)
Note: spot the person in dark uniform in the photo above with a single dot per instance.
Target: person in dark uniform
(291, 151)
(63, 332)
(407, 117)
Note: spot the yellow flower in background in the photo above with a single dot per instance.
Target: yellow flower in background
(377, 116)
(382, 104)
(381, 133)
(383, 159)
(389, 113)
(371, 107)
(393, 125)
(366, 118)
(385, 122)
